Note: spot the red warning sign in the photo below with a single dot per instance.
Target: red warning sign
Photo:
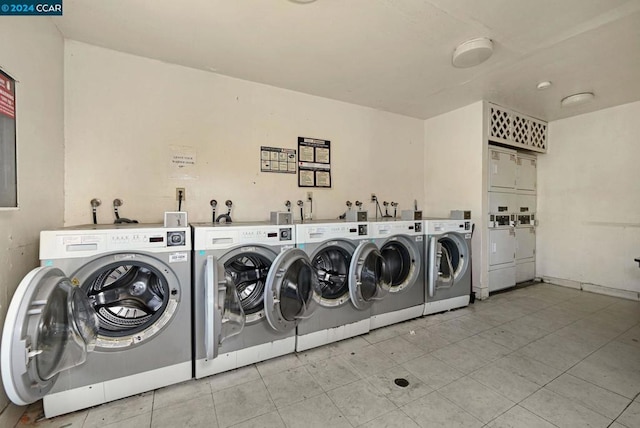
(7, 97)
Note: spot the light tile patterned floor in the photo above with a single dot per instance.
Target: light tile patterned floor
(537, 356)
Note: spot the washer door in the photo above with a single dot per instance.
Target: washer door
(50, 327)
(448, 261)
(224, 316)
(292, 290)
(135, 296)
(403, 261)
(369, 277)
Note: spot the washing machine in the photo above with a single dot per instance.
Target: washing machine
(352, 275)
(106, 315)
(448, 267)
(401, 244)
(251, 288)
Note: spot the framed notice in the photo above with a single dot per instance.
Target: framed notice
(8, 166)
(276, 159)
(314, 162)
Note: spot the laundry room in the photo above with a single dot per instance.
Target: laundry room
(106, 97)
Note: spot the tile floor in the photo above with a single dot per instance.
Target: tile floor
(538, 356)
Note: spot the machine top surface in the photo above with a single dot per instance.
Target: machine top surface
(207, 236)
(321, 231)
(384, 228)
(91, 240)
(440, 226)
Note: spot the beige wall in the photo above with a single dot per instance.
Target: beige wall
(31, 49)
(123, 113)
(589, 200)
(453, 172)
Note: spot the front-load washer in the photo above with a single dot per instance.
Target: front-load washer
(106, 316)
(401, 244)
(352, 274)
(251, 287)
(448, 268)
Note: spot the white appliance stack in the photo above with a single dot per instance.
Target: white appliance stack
(512, 208)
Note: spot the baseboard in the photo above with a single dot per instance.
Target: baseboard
(593, 288)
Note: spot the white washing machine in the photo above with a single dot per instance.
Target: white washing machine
(401, 244)
(448, 272)
(352, 274)
(251, 287)
(106, 316)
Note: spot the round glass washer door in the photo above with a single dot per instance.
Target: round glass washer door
(292, 290)
(369, 276)
(247, 268)
(403, 261)
(50, 327)
(135, 297)
(331, 262)
(451, 255)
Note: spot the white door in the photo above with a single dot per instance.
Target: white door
(502, 169)
(502, 246)
(369, 277)
(526, 175)
(292, 290)
(50, 327)
(525, 242)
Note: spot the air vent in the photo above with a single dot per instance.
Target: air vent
(517, 130)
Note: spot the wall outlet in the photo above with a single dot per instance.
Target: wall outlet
(184, 193)
(373, 197)
(309, 196)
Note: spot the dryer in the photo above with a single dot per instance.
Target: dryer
(352, 274)
(251, 287)
(401, 244)
(448, 272)
(106, 316)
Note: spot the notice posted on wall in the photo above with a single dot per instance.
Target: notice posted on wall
(314, 163)
(8, 170)
(277, 159)
(182, 162)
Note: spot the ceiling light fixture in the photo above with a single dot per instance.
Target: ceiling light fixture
(472, 52)
(577, 99)
(543, 85)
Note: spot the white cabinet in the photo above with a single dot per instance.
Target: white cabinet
(524, 203)
(502, 169)
(502, 247)
(503, 203)
(525, 242)
(525, 253)
(526, 173)
(512, 208)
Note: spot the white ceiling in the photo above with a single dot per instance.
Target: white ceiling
(392, 55)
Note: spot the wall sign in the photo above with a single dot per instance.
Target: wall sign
(8, 167)
(276, 159)
(182, 162)
(314, 163)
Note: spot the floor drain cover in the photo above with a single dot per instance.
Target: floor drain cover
(403, 383)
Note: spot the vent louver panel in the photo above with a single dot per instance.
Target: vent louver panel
(517, 130)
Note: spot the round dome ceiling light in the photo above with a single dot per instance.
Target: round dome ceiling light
(577, 99)
(543, 85)
(472, 52)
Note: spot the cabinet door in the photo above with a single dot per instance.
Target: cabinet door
(526, 173)
(502, 169)
(526, 203)
(525, 242)
(502, 246)
(502, 203)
